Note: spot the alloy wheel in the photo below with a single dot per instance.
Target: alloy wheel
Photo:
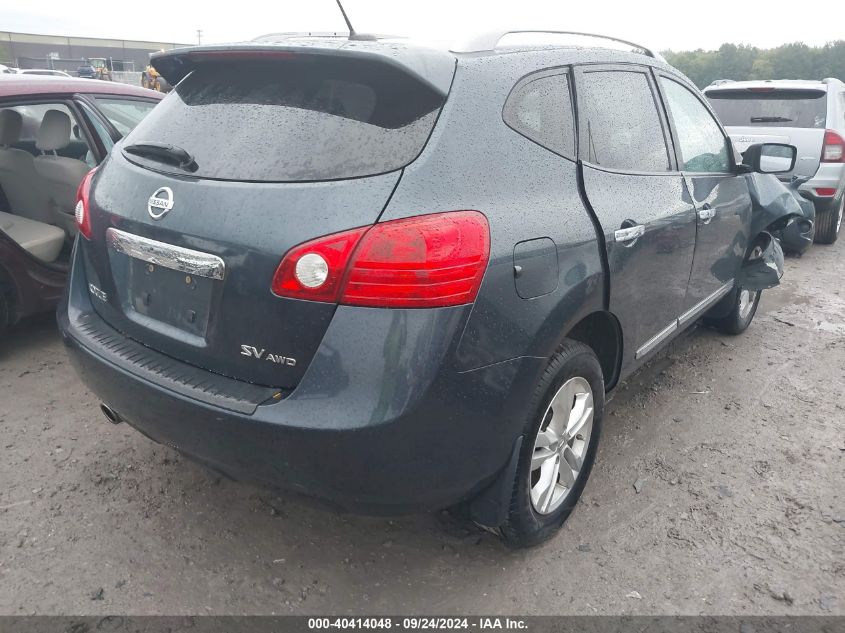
(561, 445)
(746, 302)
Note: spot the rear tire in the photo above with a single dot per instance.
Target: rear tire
(5, 310)
(561, 433)
(829, 222)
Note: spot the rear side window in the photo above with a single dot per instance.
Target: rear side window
(770, 107)
(540, 108)
(282, 121)
(620, 125)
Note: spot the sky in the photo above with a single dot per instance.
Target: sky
(661, 25)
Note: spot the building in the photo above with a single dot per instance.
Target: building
(28, 50)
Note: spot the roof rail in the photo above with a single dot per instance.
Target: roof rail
(831, 80)
(489, 40)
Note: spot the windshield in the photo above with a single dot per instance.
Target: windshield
(295, 120)
(770, 107)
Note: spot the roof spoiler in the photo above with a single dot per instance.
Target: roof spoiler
(433, 67)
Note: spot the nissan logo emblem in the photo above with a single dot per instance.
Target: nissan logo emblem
(160, 202)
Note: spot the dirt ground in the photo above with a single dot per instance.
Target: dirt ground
(718, 489)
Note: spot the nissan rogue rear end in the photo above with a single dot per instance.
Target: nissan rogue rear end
(403, 279)
(253, 310)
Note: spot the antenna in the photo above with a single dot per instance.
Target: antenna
(352, 33)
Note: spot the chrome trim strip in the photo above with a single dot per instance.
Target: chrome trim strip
(684, 319)
(651, 343)
(161, 254)
(705, 303)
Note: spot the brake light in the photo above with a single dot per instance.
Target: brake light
(427, 261)
(83, 217)
(833, 150)
(825, 191)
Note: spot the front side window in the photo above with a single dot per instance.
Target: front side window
(702, 145)
(620, 125)
(99, 128)
(541, 110)
(124, 114)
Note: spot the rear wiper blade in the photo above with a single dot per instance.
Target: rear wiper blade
(164, 153)
(770, 119)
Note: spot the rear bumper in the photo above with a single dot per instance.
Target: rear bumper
(828, 176)
(379, 424)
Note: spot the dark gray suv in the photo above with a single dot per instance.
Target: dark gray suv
(404, 279)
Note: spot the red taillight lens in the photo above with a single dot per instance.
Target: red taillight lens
(427, 261)
(833, 150)
(83, 217)
(825, 191)
(422, 262)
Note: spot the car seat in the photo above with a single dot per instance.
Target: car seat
(61, 175)
(24, 188)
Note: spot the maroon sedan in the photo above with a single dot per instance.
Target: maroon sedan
(53, 131)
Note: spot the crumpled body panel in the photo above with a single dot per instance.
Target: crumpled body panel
(765, 271)
(773, 204)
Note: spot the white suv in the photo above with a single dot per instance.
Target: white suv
(807, 114)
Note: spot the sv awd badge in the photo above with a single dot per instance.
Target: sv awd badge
(262, 354)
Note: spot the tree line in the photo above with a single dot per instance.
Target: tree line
(790, 61)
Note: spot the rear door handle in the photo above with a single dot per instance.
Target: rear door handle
(628, 236)
(706, 214)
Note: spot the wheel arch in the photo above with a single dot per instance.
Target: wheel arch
(601, 332)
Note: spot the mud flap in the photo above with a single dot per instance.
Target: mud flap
(763, 271)
(491, 506)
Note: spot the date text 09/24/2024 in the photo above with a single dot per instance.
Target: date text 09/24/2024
(418, 623)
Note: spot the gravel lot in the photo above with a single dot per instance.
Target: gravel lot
(718, 489)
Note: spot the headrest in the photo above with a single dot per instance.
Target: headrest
(11, 122)
(54, 132)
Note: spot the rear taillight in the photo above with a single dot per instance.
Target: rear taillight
(83, 217)
(833, 150)
(825, 191)
(422, 262)
(301, 267)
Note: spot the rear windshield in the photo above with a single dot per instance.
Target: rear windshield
(292, 120)
(770, 108)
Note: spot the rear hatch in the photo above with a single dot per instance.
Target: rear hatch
(254, 152)
(796, 116)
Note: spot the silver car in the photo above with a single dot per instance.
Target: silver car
(807, 114)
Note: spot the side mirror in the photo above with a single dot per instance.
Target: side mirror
(770, 158)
